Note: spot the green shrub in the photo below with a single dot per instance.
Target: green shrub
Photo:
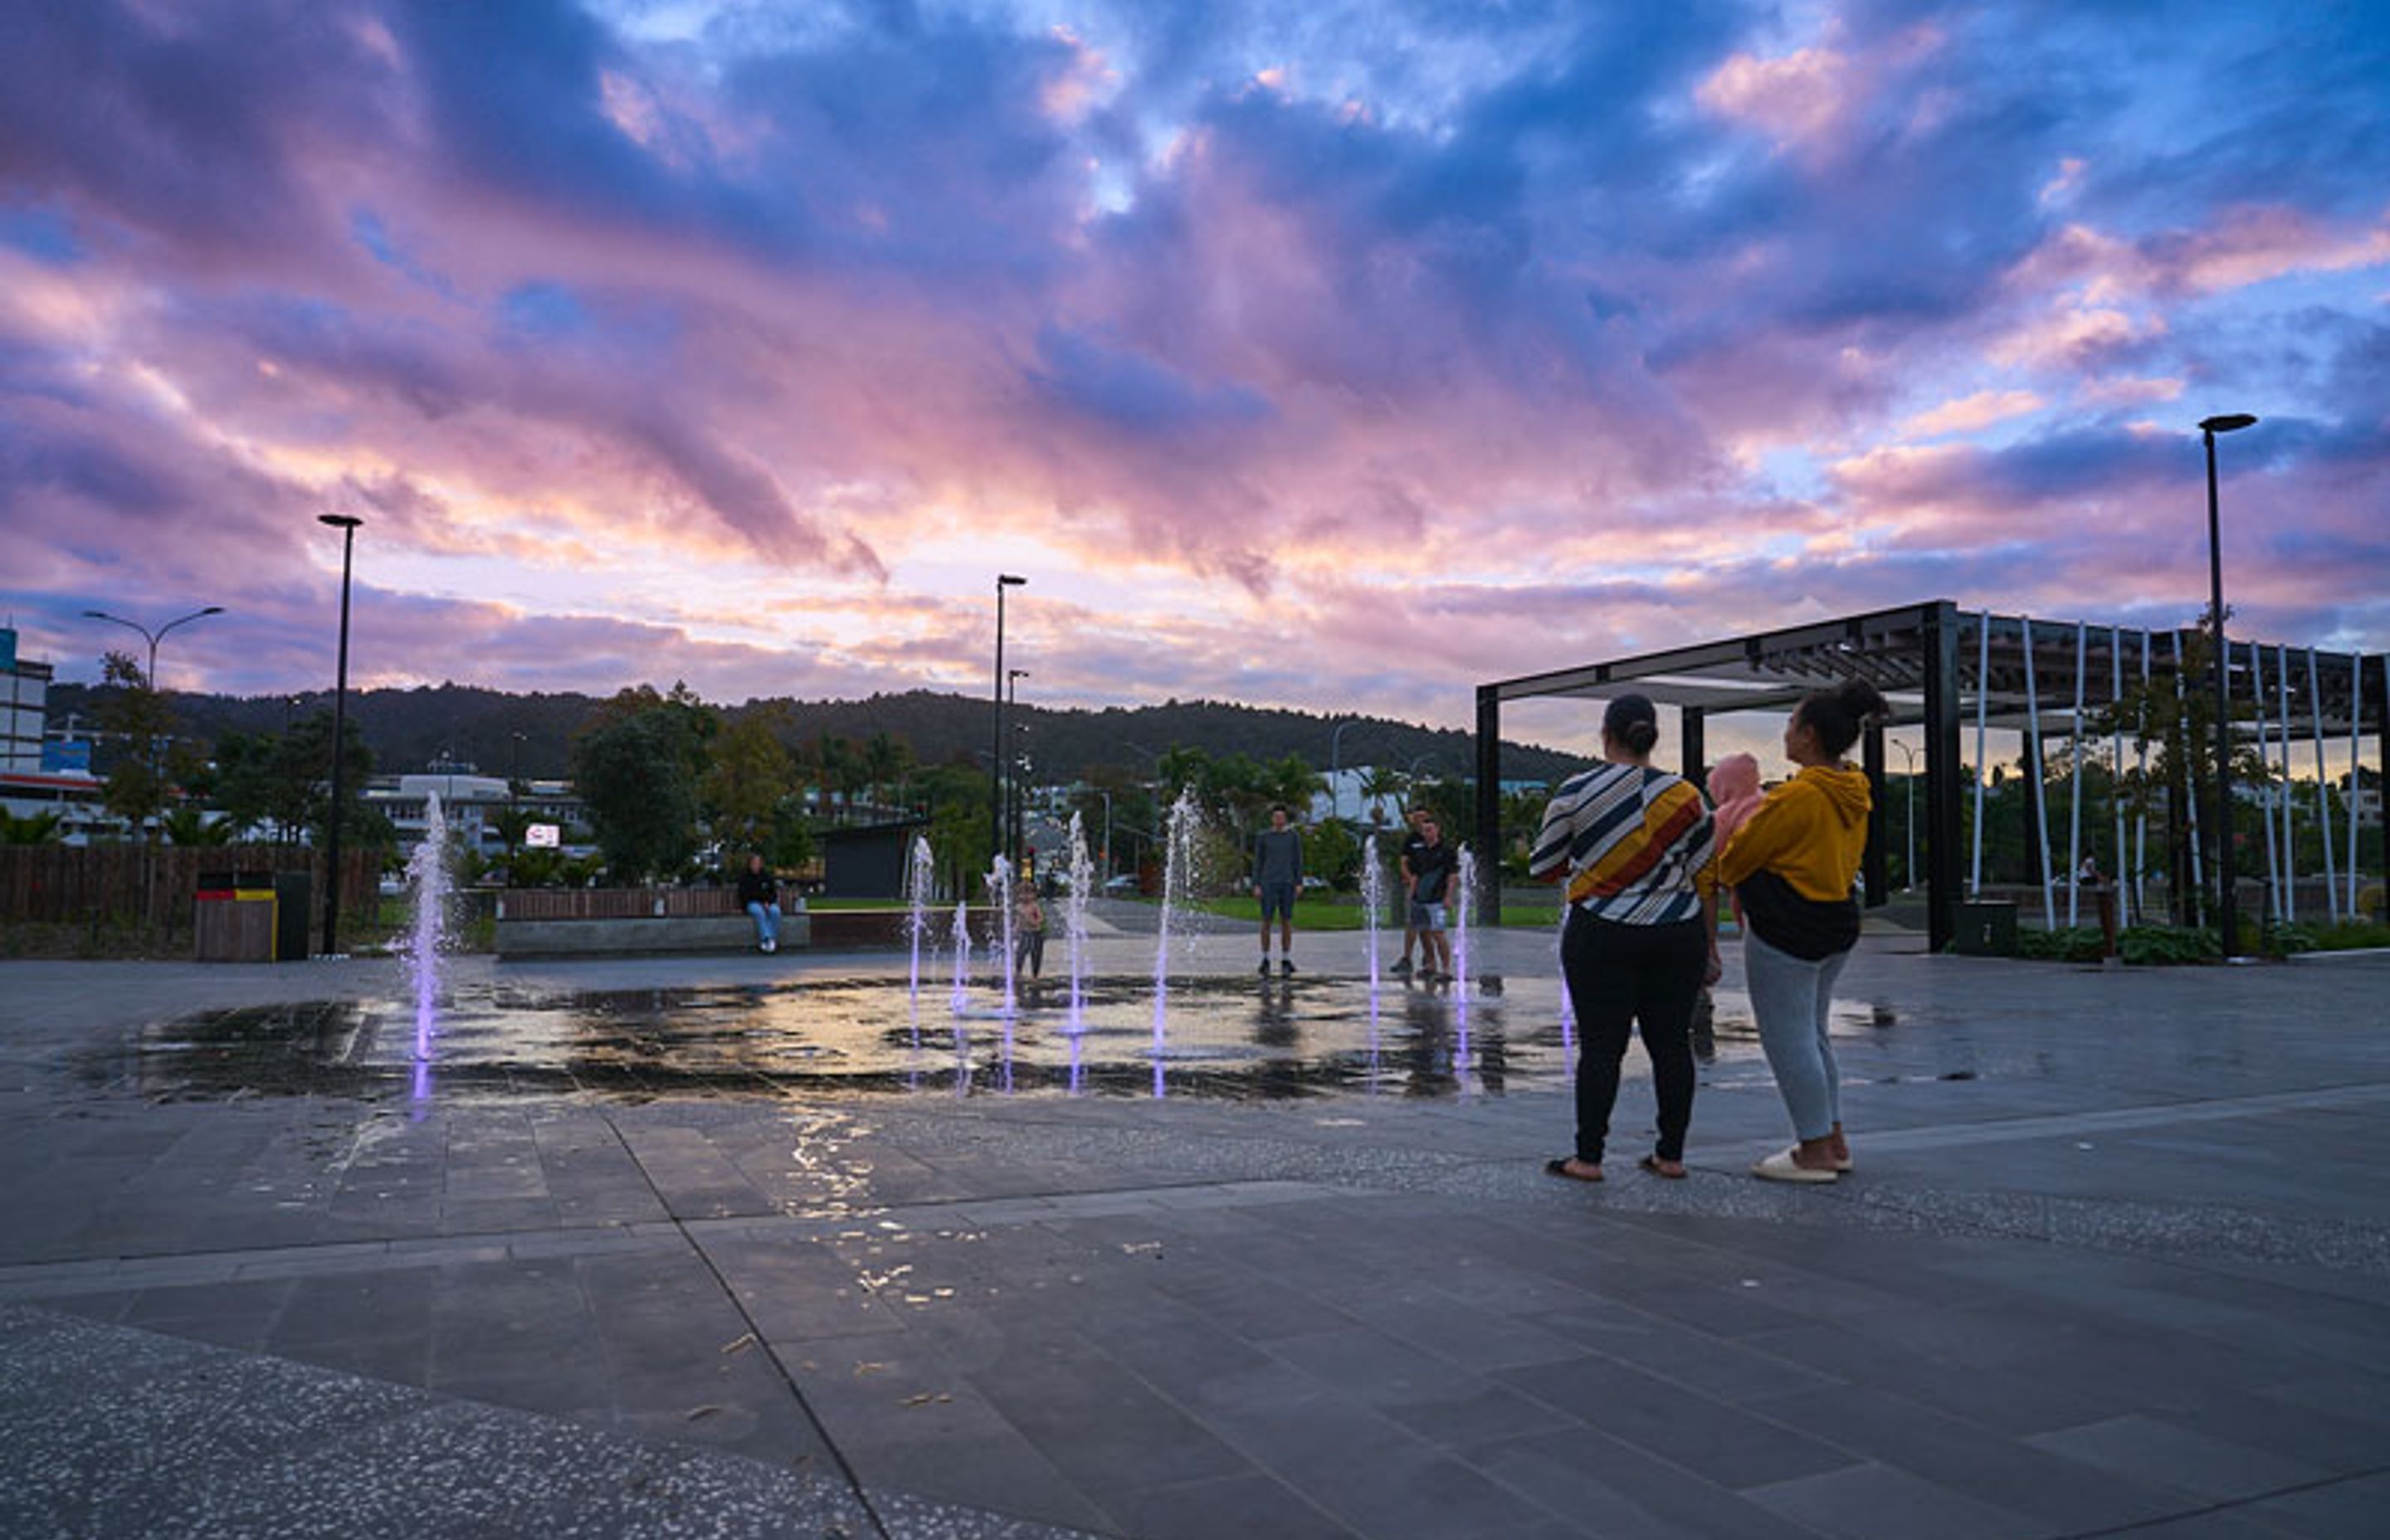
(2068, 943)
(2167, 946)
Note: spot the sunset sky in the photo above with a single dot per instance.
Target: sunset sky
(1325, 355)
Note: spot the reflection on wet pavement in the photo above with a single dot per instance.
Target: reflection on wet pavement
(1235, 1039)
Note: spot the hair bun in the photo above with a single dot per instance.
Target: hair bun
(1863, 701)
(1641, 737)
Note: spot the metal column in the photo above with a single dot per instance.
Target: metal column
(1944, 844)
(1489, 805)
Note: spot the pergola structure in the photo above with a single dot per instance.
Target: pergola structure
(1949, 671)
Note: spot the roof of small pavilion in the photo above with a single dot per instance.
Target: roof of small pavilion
(1769, 670)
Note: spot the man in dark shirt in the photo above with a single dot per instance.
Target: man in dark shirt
(759, 894)
(1277, 877)
(1432, 866)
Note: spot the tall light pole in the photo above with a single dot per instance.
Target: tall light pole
(1335, 788)
(347, 524)
(157, 769)
(995, 761)
(1909, 816)
(2221, 662)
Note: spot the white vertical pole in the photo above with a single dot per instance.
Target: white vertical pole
(2142, 818)
(1982, 771)
(2290, 842)
(2356, 746)
(2075, 810)
(2190, 786)
(2041, 789)
(2265, 772)
(2324, 792)
(2117, 770)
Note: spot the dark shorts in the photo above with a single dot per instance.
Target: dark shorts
(1277, 899)
(1427, 916)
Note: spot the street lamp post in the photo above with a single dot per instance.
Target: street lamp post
(157, 770)
(347, 524)
(1336, 762)
(2221, 662)
(996, 759)
(1909, 814)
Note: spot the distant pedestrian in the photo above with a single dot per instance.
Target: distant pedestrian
(1028, 931)
(1639, 849)
(1404, 868)
(1429, 868)
(1793, 863)
(1277, 877)
(759, 894)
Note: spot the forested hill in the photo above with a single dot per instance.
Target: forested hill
(409, 729)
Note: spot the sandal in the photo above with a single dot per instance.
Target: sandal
(1659, 1167)
(1559, 1167)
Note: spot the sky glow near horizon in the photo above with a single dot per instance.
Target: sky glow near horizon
(1337, 357)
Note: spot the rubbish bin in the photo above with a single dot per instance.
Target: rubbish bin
(1987, 927)
(232, 916)
(292, 894)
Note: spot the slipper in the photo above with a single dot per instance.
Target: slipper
(1842, 1166)
(1781, 1167)
(1559, 1167)
(1652, 1163)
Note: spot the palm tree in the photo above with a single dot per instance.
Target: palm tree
(1382, 781)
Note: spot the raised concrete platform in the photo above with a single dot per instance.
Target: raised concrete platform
(589, 938)
(2117, 1262)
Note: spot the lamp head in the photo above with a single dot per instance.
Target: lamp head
(1006, 580)
(211, 610)
(340, 521)
(2231, 422)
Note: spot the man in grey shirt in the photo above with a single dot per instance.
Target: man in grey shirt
(1277, 877)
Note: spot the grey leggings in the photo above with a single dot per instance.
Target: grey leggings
(1791, 997)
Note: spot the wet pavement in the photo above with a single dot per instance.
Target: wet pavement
(718, 1245)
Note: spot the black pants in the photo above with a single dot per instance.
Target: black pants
(1618, 976)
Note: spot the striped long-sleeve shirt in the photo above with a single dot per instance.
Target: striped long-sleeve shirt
(1638, 844)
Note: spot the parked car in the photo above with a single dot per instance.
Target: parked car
(1122, 883)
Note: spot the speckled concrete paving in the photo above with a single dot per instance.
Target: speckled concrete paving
(2116, 1261)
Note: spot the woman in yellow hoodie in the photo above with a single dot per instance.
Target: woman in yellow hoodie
(1792, 863)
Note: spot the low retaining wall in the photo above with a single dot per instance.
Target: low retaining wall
(563, 922)
(568, 938)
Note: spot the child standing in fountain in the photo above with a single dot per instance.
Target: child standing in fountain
(1428, 868)
(1028, 929)
(759, 894)
(1639, 849)
(1277, 877)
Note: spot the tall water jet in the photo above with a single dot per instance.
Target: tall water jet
(1075, 923)
(962, 956)
(1373, 899)
(1463, 900)
(1559, 966)
(1177, 880)
(426, 876)
(920, 877)
(999, 889)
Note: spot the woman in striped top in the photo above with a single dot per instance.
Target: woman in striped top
(1641, 941)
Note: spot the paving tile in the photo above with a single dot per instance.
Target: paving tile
(1619, 1493)
(1876, 1501)
(1715, 1440)
(2157, 1453)
(1248, 1504)
(2351, 1509)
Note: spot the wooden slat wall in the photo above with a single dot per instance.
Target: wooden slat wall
(109, 884)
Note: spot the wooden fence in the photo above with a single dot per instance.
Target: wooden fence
(136, 885)
(615, 903)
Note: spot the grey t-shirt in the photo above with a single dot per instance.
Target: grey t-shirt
(1278, 857)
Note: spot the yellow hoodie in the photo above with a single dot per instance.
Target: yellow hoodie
(1810, 831)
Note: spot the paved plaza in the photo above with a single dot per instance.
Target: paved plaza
(2115, 1261)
